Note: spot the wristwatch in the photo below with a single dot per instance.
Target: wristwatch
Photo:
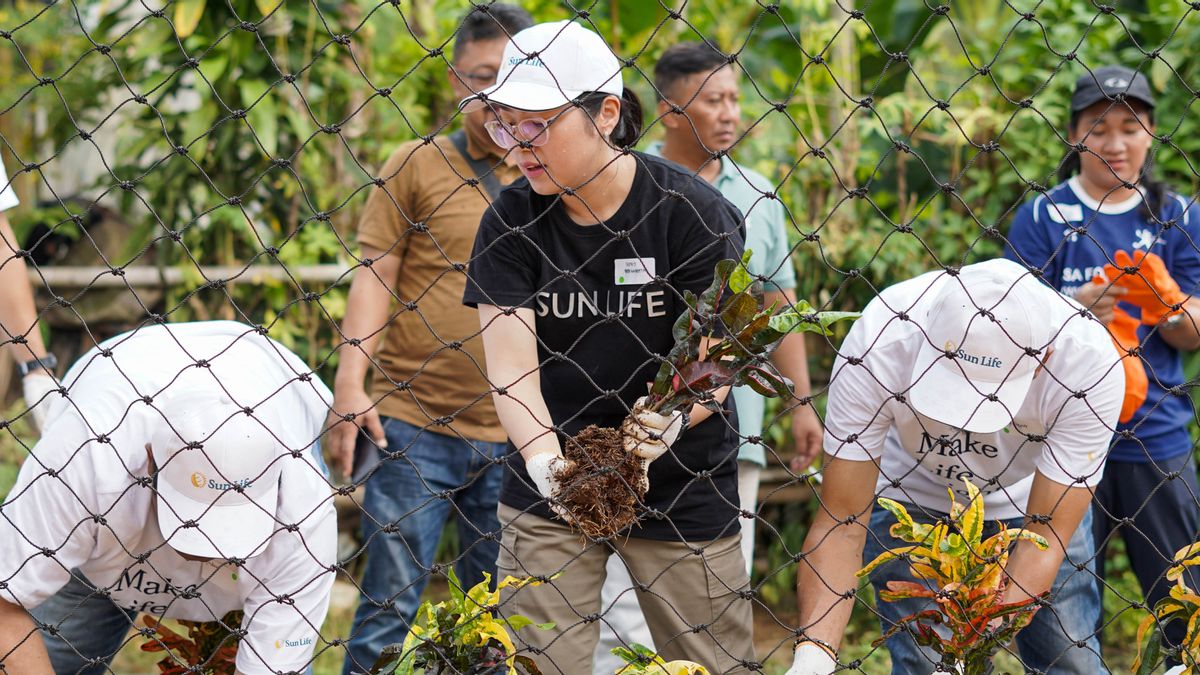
(1174, 320)
(49, 362)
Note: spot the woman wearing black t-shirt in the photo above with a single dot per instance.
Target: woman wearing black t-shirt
(578, 272)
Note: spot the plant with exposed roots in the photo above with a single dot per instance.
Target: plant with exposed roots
(723, 338)
(964, 575)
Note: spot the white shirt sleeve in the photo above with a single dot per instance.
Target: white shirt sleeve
(8, 196)
(285, 610)
(1079, 431)
(857, 418)
(47, 526)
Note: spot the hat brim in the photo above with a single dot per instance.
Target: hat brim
(941, 391)
(1087, 101)
(525, 96)
(234, 531)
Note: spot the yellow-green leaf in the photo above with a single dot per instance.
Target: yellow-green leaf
(267, 6)
(187, 16)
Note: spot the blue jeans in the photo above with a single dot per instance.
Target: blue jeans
(408, 500)
(1047, 645)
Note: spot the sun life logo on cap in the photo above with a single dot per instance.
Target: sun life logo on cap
(1116, 83)
(985, 361)
(199, 480)
(534, 61)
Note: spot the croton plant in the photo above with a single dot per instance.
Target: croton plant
(210, 647)
(1183, 605)
(963, 575)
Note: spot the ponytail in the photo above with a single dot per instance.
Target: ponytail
(629, 127)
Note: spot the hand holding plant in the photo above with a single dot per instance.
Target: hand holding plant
(723, 338)
(964, 575)
(639, 660)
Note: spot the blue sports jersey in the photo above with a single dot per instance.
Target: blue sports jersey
(1070, 237)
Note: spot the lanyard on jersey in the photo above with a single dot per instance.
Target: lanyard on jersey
(483, 171)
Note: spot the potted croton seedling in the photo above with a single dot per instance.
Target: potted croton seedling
(963, 574)
(723, 338)
(462, 636)
(1182, 604)
(210, 647)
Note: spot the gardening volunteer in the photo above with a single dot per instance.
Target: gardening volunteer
(984, 375)
(1125, 247)
(578, 272)
(178, 477)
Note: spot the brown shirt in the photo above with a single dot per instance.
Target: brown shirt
(427, 214)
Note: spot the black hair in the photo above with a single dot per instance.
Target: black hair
(684, 60)
(629, 127)
(490, 21)
(1154, 191)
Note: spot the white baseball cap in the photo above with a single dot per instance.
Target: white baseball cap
(549, 65)
(983, 343)
(217, 467)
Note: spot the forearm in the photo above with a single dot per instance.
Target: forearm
(510, 349)
(367, 313)
(22, 651)
(18, 313)
(825, 581)
(1185, 334)
(1054, 512)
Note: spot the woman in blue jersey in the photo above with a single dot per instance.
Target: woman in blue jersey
(1126, 247)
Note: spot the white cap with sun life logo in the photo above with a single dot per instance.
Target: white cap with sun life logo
(974, 367)
(549, 65)
(218, 467)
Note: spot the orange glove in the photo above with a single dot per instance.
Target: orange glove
(1123, 330)
(1150, 286)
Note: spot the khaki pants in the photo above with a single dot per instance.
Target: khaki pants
(692, 599)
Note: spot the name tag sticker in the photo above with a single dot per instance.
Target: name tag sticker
(633, 271)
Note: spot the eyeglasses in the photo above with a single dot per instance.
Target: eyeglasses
(532, 131)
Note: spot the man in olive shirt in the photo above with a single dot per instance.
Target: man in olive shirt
(429, 406)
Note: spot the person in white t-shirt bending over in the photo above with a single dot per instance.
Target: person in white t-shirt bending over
(985, 375)
(179, 477)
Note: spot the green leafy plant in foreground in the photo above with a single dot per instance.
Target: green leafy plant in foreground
(1182, 604)
(462, 635)
(640, 660)
(741, 333)
(964, 576)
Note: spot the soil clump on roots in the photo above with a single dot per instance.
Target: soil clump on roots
(601, 488)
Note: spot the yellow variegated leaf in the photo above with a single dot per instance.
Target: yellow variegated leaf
(884, 557)
(971, 524)
(684, 668)
(900, 513)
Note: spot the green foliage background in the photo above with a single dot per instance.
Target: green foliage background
(247, 133)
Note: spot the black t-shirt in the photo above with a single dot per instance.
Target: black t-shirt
(606, 297)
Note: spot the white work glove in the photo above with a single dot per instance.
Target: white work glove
(37, 388)
(541, 468)
(811, 659)
(649, 434)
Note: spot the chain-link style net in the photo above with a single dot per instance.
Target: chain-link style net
(223, 207)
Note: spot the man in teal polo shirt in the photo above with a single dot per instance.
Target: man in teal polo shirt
(698, 105)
